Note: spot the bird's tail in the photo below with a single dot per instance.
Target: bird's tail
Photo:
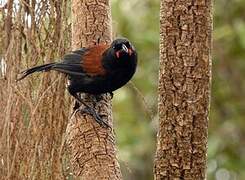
(45, 67)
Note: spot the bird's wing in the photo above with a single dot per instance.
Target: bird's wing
(71, 63)
(84, 61)
(92, 60)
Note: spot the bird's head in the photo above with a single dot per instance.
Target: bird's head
(122, 47)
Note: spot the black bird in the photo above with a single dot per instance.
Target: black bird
(95, 70)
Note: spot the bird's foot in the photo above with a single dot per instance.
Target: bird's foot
(111, 94)
(74, 111)
(98, 97)
(97, 118)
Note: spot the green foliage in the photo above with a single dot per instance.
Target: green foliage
(227, 125)
(139, 21)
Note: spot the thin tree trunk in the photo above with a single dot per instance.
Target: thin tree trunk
(184, 89)
(92, 147)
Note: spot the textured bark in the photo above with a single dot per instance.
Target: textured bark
(33, 113)
(184, 89)
(92, 147)
(8, 22)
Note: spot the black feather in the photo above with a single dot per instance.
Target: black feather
(45, 67)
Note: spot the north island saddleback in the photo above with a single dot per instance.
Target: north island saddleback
(95, 70)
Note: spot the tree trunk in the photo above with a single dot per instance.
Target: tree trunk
(92, 147)
(184, 89)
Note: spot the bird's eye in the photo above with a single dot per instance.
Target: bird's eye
(113, 47)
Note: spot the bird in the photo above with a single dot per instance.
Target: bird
(97, 69)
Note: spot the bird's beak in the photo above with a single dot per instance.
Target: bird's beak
(124, 48)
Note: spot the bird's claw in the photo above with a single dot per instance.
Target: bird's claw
(98, 98)
(97, 118)
(111, 94)
(76, 106)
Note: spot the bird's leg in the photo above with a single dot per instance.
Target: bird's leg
(90, 111)
(97, 118)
